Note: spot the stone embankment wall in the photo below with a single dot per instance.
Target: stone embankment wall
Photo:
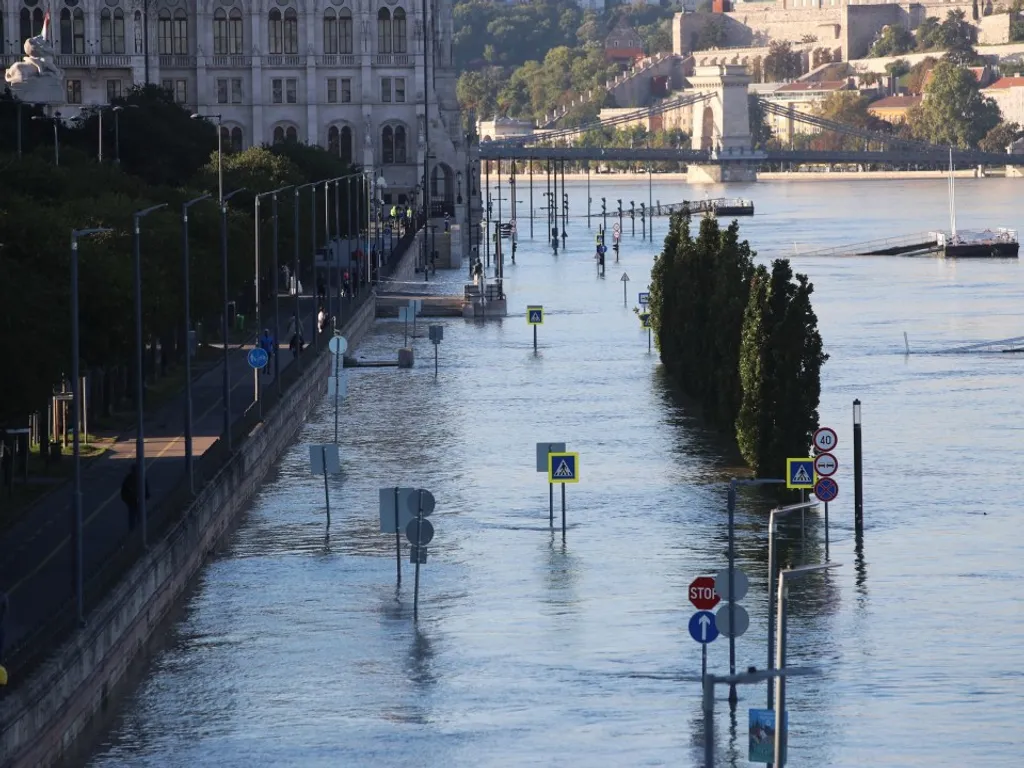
(40, 720)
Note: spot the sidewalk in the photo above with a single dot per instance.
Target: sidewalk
(36, 568)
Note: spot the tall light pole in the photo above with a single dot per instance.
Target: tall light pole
(226, 373)
(140, 431)
(780, 650)
(295, 264)
(189, 465)
(76, 396)
(56, 139)
(277, 290)
(220, 150)
(259, 317)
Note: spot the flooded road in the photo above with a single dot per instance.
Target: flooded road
(293, 651)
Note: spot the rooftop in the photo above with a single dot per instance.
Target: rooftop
(1007, 82)
(895, 102)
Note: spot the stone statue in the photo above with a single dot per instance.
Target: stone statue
(36, 78)
(421, 139)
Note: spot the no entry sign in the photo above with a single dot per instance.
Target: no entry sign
(702, 593)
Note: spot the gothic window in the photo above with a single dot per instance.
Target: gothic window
(237, 144)
(111, 31)
(332, 140)
(72, 31)
(400, 144)
(164, 32)
(383, 31)
(220, 32)
(31, 23)
(225, 138)
(344, 31)
(236, 35)
(398, 31)
(279, 135)
(65, 31)
(291, 31)
(291, 134)
(180, 33)
(387, 145)
(330, 32)
(276, 37)
(346, 145)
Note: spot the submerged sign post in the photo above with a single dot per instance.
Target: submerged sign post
(563, 467)
(420, 532)
(338, 346)
(543, 450)
(535, 317)
(394, 517)
(800, 474)
(625, 280)
(703, 630)
(323, 460)
(826, 488)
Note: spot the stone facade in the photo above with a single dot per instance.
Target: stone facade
(345, 74)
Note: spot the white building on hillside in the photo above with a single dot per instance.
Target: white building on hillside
(345, 74)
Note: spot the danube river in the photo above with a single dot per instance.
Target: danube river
(293, 651)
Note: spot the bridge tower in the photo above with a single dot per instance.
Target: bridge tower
(721, 125)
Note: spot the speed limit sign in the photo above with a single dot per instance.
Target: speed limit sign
(825, 440)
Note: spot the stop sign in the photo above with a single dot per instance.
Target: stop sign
(702, 593)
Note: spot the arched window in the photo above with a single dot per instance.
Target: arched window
(237, 143)
(275, 33)
(225, 138)
(279, 135)
(164, 32)
(66, 40)
(346, 145)
(37, 22)
(111, 31)
(180, 38)
(78, 30)
(398, 31)
(291, 134)
(291, 31)
(383, 31)
(25, 24)
(332, 140)
(400, 144)
(330, 31)
(344, 31)
(387, 145)
(220, 32)
(236, 33)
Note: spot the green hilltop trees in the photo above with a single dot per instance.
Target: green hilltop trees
(742, 340)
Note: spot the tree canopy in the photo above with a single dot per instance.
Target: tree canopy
(954, 111)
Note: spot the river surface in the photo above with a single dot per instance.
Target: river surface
(293, 651)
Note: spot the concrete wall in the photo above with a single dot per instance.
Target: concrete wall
(40, 720)
(862, 23)
(994, 30)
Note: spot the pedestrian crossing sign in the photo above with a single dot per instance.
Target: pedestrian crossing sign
(535, 315)
(800, 473)
(563, 467)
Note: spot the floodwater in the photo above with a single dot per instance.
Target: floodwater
(293, 651)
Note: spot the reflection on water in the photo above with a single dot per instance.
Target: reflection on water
(298, 649)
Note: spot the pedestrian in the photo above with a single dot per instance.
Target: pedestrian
(130, 495)
(346, 283)
(321, 319)
(295, 336)
(266, 343)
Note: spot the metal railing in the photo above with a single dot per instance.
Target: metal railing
(232, 61)
(30, 647)
(177, 61)
(393, 60)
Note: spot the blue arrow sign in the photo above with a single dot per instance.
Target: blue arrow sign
(258, 357)
(602, 249)
(702, 627)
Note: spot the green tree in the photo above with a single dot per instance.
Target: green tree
(898, 68)
(919, 74)
(712, 35)
(780, 369)
(893, 40)
(954, 111)
(760, 130)
(929, 34)
(1001, 137)
(782, 63)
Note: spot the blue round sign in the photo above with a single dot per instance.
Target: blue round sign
(703, 628)
(258, 357)
(826, 489)
(602, 249)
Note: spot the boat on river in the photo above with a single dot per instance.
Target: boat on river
(1001, 243)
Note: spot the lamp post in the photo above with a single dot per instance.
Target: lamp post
(858, 478)
(140, 432)
(295, 265)
(220, 150)
(76, 396)
(117, 130)
(277, 291)
(188, 341)
(380, 184)
(256, 280)
(773, 516)
(226, 374)
(56, 139)
(780, 650)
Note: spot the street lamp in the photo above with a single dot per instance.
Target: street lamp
(295, 266)
(772, 568)
(226, 374)
(117, 129)
(188, 341)
(140, 432)
(56, 140)
(76, 520)
(277, 291)
(255, 371)
(220, 150)
(780, 649)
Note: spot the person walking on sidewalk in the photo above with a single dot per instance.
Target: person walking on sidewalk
(295, 336)
(130, 495)
(266, 343)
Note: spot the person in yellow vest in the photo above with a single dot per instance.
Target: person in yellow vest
(394, 212)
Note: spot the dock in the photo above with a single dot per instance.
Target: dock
(917, 244)
(718, 206)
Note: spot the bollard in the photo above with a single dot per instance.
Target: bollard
(858, 479)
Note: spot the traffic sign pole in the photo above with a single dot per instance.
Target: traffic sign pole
(535, 339)
(419, 539)
(327, 493)
(563, 511)
(398, 541)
